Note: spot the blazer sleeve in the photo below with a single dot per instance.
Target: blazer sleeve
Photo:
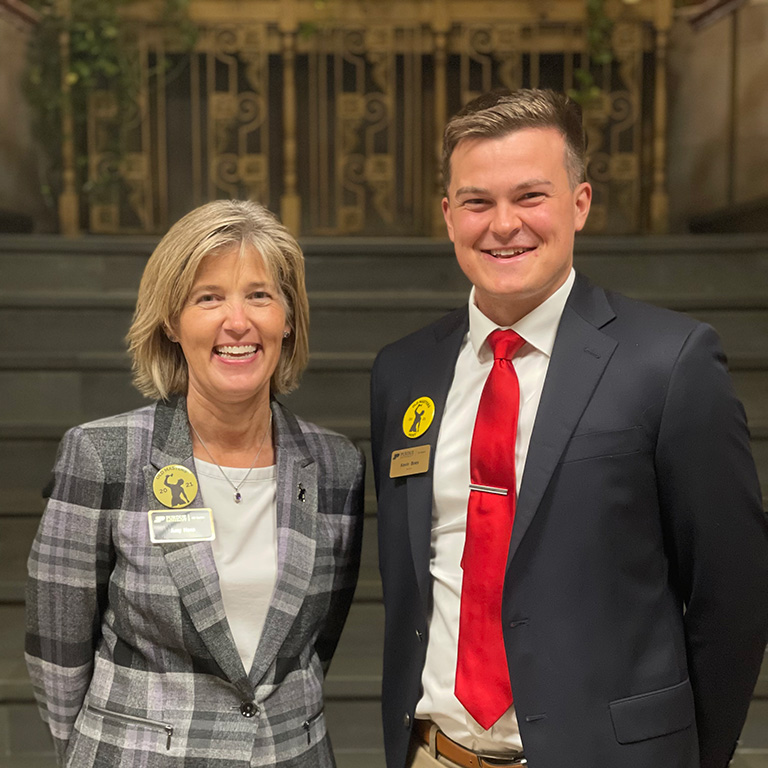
(347, 561)
(69, 568)
(714, 520)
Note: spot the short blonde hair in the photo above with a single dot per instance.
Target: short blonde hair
(159, 366)
(498, 113)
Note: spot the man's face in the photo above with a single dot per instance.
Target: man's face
(512, 216)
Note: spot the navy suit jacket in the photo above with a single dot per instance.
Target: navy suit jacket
(636, 593)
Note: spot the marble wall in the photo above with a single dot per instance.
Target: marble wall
(19, 171)
(714, 160)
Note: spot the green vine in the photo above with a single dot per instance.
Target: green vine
(599, 50)
(103, 55)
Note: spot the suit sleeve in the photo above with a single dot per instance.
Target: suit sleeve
(69, 568)
(718, 540)
(347, 559)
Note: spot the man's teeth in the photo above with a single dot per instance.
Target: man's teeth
(507, 252)
(241, 351)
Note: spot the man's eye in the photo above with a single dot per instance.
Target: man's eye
(475, 202)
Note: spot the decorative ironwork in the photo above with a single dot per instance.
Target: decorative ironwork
(333, 115)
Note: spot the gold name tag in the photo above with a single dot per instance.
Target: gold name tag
(410, 461)
(170, 525)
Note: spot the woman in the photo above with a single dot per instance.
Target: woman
(197, 557)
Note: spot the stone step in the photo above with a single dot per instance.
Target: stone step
(68, 397)
(17, 532)
(356, 325)
(27, 455)
(711, 267)
(355, 672)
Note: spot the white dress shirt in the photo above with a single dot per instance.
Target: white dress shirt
(449, 507)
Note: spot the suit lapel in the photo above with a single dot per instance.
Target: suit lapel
(192, 566)
(579, 357)
(433, 379)
(297, 495)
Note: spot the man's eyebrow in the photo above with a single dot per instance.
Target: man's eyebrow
(523, 185)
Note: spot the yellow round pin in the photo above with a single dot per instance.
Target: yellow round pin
(175, 486)
(418, 417)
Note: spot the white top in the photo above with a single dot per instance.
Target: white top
(449, 507)
(245, 547)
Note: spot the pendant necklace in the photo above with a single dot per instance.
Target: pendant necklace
(237, 495)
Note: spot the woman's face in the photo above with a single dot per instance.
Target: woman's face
(231, 328)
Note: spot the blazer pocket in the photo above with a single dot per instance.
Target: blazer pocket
(652, 714)
(133, 721)
(591, 445)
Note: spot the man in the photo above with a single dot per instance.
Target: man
(586, 587)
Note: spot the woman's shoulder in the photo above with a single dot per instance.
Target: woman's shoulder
(319, 439)
(138, 418)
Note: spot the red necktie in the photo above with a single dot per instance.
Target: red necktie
(482, 676)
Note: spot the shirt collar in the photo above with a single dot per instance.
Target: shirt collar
(538, 327)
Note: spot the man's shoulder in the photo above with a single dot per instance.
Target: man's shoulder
(414, 343)
(628, 314)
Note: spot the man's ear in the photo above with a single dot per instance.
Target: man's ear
(448, 216)
(582, 200)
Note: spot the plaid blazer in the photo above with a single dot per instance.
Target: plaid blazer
(128, 647)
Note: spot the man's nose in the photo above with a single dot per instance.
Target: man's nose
(505, 222)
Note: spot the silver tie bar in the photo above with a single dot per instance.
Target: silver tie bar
(488, 489)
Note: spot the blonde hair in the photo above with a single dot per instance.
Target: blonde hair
(498, 113)
(159, 366)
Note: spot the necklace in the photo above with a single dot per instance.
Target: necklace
(237, 496)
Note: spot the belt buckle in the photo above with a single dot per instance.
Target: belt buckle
(489, 761)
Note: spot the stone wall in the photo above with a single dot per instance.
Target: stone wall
(706, 172)
(19, 175)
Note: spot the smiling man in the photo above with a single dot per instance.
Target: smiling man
(571, 536)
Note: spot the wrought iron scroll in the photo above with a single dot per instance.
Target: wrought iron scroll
(339, 130)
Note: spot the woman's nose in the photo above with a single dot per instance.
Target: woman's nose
(236, 319)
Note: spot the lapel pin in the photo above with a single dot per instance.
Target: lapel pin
(418, 417)
(175, 486)
(302, 493)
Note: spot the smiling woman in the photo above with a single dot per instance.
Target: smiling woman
(224, 614)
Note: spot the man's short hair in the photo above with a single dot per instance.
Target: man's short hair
(159, 366)
(497, 113)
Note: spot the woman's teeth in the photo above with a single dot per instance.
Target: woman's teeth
(235, 353)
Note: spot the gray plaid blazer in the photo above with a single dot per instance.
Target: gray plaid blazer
(128, 647)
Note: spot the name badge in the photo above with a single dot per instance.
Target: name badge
(410, 461)
(166, 526)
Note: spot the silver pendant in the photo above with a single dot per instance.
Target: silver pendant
(238, 497)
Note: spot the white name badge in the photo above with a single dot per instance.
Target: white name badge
(172, 525)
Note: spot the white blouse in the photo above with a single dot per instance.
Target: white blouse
(245, 547)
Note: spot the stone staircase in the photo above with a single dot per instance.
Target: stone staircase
(65, 306)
